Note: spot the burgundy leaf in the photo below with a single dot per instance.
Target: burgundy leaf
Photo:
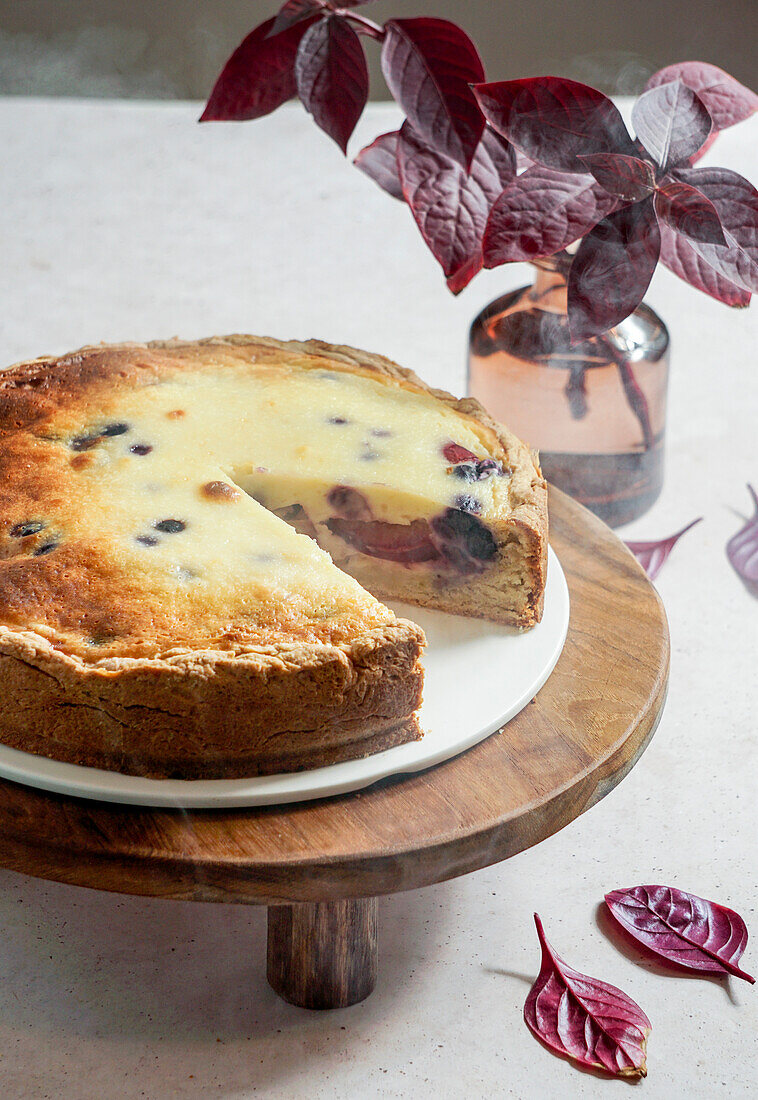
(451, 206)
(671, 122)
(684, 929)
(736, 201)
(542, 211)
(686, 210)
(428, 65)
(332, 77)
(652, 555)
(258, 77)
(379, 162)
(704, 147)
(554, 121)
(612, 270)
(628, 177)
(726, 100)
(294, 11)
(742, 549)
(589, 1021)
(522, 162)
(679, 255)
(462, 276)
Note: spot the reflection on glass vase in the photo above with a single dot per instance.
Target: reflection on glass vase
(596, 411)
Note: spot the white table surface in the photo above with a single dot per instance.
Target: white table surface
(124, 221)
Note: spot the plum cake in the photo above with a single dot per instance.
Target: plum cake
(193, 537)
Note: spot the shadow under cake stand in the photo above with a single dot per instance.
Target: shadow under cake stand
(320, 866)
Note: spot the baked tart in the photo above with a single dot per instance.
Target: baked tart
(193, 537)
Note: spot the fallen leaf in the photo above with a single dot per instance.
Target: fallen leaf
(589, 1021)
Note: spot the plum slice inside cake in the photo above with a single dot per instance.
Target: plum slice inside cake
(173, 520)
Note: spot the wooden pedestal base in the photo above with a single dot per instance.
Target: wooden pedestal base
(559, 756)
(323, 954)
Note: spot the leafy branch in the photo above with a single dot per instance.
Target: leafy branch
(519, 170)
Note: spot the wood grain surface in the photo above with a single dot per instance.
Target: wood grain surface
(324, 954)
(560, 755)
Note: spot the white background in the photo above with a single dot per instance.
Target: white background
(129, 221)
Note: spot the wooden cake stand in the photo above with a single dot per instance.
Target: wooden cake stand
(320, 866)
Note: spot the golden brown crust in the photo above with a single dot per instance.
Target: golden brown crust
(255, 705)
(213, 715)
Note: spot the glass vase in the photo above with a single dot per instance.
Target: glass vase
(595, 411)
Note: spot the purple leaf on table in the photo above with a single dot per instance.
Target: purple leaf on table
(742, 549)
(554, 121)
(726, 100)
(379, 162)
(688, 211)
(630, 178)
(672, 122)
(682, 928)
(736, 201)
(542, 211)
(258, 77)
(429, 65)
(612, 270)
(680, 256)
(589, 1021)
(332, 77)
(652, 555)
(451, 206)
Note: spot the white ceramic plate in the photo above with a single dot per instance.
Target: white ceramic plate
(477, 677)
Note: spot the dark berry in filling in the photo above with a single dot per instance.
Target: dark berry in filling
(170, 526)
(45, 548)
(468, 504)
(466, 466)
(115, 429)
(146, 540)
(84, 442)
(456, 539)
(140, 448)
(401, 542)
(22, 530)
(338, 420)
(487, 466)
(349, 503)
(477, 471)
(463, 539)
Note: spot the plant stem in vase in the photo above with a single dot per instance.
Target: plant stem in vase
(596, 411)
